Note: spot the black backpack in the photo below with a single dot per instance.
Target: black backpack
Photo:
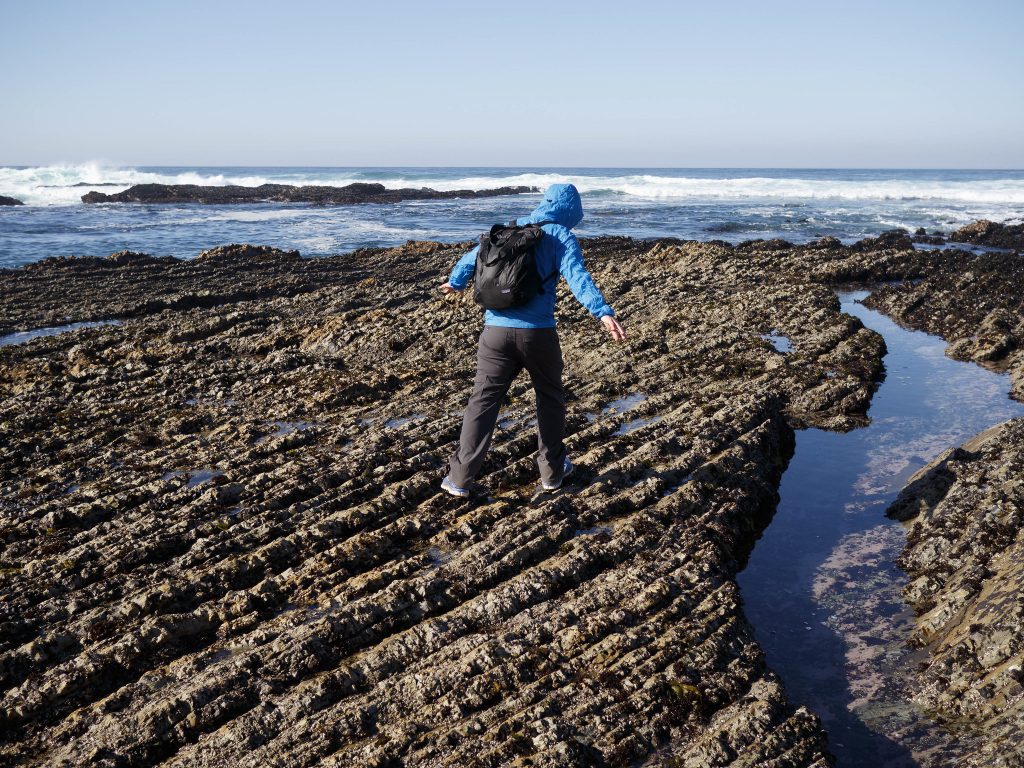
(506, 273)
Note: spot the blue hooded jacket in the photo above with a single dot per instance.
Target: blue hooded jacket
(558, 252)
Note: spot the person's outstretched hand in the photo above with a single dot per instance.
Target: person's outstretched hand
(449, 288)
(613, 327)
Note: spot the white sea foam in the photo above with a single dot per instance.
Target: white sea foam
(52, 185)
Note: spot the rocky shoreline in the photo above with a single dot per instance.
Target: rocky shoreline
(988, 234)
(965, 556)
(223, 542)
(966, 514)
(973, 301)
(350, 194)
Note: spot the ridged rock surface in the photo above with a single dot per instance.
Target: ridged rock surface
(223, 541)
(966, 544)
(965, 557)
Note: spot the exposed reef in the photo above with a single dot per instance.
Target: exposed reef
(286, 193)
(965, 557)
(991, 234)
(222, 539)
(4, 200)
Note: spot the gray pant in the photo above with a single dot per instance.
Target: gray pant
(502, 354)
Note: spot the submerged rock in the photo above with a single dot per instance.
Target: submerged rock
(286, 193)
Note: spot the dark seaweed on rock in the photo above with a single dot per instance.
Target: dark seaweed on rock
(286, 193)
(991, 234)
(223, 541)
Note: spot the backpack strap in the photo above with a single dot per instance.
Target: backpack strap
(532, 223)
(544, 281)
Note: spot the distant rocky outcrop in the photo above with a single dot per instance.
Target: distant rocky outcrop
(4, 200)
(893, 239)
(992, 234)
(350, 194)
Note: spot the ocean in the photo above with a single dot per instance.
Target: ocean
(729, 204)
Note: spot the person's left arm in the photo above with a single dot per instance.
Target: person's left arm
(583, 286)
(576, 275)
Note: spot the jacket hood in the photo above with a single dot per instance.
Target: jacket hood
(561, 204)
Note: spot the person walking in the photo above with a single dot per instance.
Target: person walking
(525, 337)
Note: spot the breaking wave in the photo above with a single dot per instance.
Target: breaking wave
(65, 184)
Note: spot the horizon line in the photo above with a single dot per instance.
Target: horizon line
(101, 163)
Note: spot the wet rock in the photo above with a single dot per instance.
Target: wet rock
(894, 239)
(921, 236)
(4, 200)
(129, 284)
(826, 242)
(965, 558)
(991, 234)
(349, 194)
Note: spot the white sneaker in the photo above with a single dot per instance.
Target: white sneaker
(453, 489)
(567, 469)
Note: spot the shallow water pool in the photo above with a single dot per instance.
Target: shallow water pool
(21, 337)
(822, 589)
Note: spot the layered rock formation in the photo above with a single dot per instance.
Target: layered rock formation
(973, 301)
(965, 557)
(223, 541)
(286, 193)
(966, 543)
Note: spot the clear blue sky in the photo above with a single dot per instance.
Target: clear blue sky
(639, 83)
